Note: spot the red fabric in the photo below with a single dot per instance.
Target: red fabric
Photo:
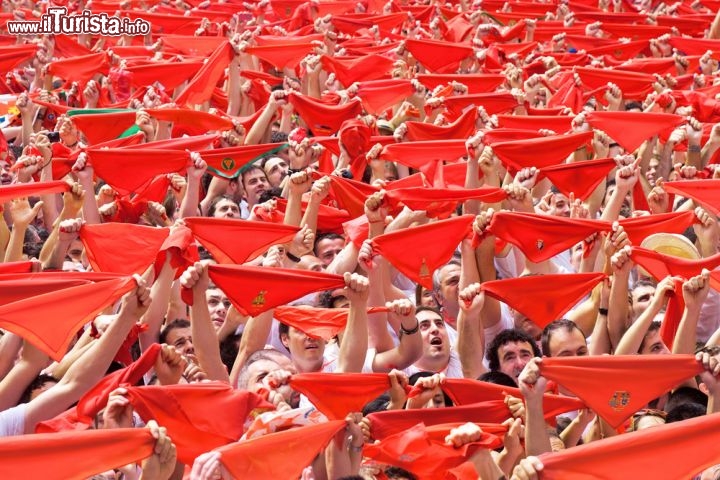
(379, 95)
(329, 219)
(357, 230)
(494, 103)
(284, 55)
(21, 190)
(200, 87)
(529, 295)
(541, 237)
(16, 267)
(192, 122)
(351, 70)
(169, 74)
(568, 94)
(323, 119)
(193, 426)
(617, 386)
(323, 323)
(100, 127)
(230, 162)
(636, 454)
(254, 290)
(185, 252)
(12, 56)
(193, 45)
(80, 69)
(476, 83)
(237, 241)
(423, 155)
(557, 123)
(122, 247)
(465, 391)
(660, 265)
(540, 152)
(639, 228)
(284, 454)
(351, 194)
(28, 318)
(462, 128)
(389, 422)
(13, 290)
(441, 201)
(635, 86)
(631, 129)
(73, 455)
(706, 192)
(673, 315)
(113, 165)
(414, 451)
(433, 245)
(579, 178)
(354, 135)
(337, 394)
(438, 56)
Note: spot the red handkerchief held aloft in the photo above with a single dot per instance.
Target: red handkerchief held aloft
(284, 454)
(636, 454)
(237, 241)
(254, 290)
(73, 455)
(540, 152)
(429, 252)
(337, 394)
(618, 386)
(29, 318)
(184, 411)
(529, 295)
(706, 192)
(631, 129)
(122, 247)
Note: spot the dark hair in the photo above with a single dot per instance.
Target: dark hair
(686, 395)
(423, 308)
(174, 325)
(507, 336)
(654, 327)
(35, 384)
(395, 473)
(325, 236)
(379, 404)
(498, 378)
(215, 201)
(229, 349)
(278, 136)
(274, 192)
(251, 168)
(685, 411)
(412, 380)
(632, 105)
(564, 323)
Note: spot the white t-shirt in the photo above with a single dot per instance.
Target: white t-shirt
(453, 369)
(12, 421)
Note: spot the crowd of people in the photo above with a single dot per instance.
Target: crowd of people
(362, 240)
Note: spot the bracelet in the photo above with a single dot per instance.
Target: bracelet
(404, 331)
(694, 149)
(356, 449)
(603, 312)
(292, 257)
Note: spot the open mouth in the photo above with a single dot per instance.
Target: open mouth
(437, 341)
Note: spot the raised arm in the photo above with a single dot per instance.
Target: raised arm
(353, 347)
(471, 334)
(695, 291)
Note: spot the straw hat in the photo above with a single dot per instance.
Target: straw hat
(671, 244)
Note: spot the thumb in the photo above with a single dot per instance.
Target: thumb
(36, 208)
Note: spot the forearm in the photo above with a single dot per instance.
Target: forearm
(90, 211)
(378, 336)
(573, 433)
(708, 152)
(253, 339)
(189, 205)
(600, 344)
(345, 261)
(293, 211)
(537, 440)
(619, 308)
(471, 344)
(611, 212)
(15, 246)
(205, 339)
(354, 345)
(233, 88)
(56, 257)
(10, 344)
(160, 296)
(258, 129)
(686, 335)
(310, 216)
(4, 236)
(630, 342)
(485, 466)
(49, 207)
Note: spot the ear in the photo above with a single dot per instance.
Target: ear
(285, 340)
(703, 388)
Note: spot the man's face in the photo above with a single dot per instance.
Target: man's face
(567, 344)
(526, 325)
(276, 169)
(218, 305)
(258, 378)
(6, 176)
(641, 297)
(513, 357)
(653, 344)
(306, 352)
(559, 205)
(181, 339)
(255, 183)
(226, 208)
(311, 262)
(651, 173)
(436, 344)
(449, 280)
(328, 248)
